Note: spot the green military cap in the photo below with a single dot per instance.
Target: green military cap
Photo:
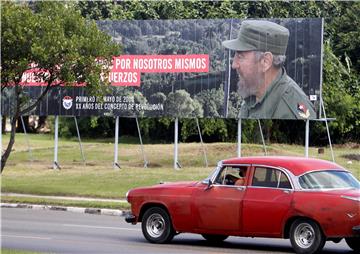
(260, 35)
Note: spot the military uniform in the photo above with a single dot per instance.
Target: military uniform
(284, 99)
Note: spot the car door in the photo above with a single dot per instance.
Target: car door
(266, 202)
(219, 207)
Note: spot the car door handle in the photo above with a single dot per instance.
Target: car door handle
(240, 188)
(286, 191)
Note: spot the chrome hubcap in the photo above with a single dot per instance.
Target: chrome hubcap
(304, 235)
(155, 225)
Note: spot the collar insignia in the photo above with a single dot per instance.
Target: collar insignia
(303, 111)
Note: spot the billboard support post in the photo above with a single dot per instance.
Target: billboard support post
(239, 138)
(116, 164)
(1, 133)
(56, 164)
(141, 143)
(78, 133)
(262, 137)
(327, 129)
(176, 138)
(202, 143)
(27, 138)
(307, 139)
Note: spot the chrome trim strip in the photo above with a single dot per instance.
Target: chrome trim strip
(230, 186)
(324, 190)
(351, 198)
(320, 170)
(274, 188)
(237, 165)
(126, 195)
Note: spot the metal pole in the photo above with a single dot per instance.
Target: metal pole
(239, 138)
(1, 132)
(116, 164)
(1, 127)
(202, 143)
(141, 144)
(327, 129)
(176, 136)
(307, 139)
(78, 133)
(262, 137)
(56, 164)
(321, 65)
(27, 138)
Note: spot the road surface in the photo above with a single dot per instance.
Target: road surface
(67, 232)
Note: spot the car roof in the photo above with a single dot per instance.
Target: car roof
(296, 165)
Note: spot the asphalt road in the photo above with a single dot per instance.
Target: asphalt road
(66, 232)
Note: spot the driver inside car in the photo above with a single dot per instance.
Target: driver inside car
(241, 179)
(231, 179)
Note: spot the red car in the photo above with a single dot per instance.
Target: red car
(309, 201)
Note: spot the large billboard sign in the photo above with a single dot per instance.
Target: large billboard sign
(224, 68)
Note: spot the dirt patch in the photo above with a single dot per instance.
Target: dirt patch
(153, 165)
(91, 164)
(354, 157)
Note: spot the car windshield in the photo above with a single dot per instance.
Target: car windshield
(328, 179)
(206, 180)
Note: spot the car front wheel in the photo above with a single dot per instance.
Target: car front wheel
(214, 238)
(354, 243)
(157, 226)
(306, 237)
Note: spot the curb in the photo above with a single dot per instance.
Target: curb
(98, 211)
(11, 194)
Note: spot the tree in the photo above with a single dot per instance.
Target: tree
(180, 104)
(212, 101)
(54, 37)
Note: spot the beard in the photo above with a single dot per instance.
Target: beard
(249, 87)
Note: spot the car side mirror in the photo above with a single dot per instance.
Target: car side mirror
(209, 185)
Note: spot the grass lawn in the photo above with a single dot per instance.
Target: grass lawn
(33, 173)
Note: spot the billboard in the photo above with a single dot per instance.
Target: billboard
(185, 68)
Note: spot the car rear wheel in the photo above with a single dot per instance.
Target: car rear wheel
(354, 243)
(215, 238)
(157, 226)
(306, 237)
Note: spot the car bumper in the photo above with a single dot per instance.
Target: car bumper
(356, 230)
(130, 218)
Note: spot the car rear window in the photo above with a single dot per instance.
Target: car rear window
(328, 179)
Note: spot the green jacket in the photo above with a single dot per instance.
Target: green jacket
(284, 99)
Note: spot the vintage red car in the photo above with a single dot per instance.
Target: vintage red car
(308, 201)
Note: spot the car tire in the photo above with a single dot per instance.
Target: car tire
(215, 238)
(157, 226)
(306, 237)
(353, 243)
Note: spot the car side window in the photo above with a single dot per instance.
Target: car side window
(269, 177)
(232, 175)
(284, 182)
